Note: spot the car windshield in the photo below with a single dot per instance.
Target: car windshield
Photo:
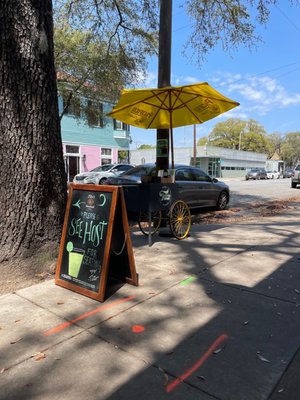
(297, 168)
(105, 167)
(140, 170)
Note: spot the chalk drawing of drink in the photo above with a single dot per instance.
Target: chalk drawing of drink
(75, 260)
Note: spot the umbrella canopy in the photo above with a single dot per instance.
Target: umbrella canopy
(170, 107)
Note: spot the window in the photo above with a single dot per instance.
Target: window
(234, 168)
(142, 170)
(71, 105)
(94, 113)
(201, 176)
(120, 126)
(102, 168)
(107, 156)
(106, 161)
(106, 152)
(184, 174)
(121, 168)
(72, 149)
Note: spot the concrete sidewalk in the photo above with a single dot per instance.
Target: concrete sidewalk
(216, 316)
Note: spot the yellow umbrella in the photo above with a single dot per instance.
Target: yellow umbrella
(171, 106)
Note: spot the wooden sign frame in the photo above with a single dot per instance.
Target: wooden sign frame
(108, 254)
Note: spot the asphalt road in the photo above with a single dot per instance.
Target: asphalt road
(245, 192)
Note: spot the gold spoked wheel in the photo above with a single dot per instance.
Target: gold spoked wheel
(180, 219)
(154, 222)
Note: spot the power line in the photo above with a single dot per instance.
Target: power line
(270, 70)
(273, 69)
(182, 27)
(288, 18)
(278, 68)
(287, 73)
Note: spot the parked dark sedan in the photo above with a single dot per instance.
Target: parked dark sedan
(287, 173)
(256, 173)
(195, 187)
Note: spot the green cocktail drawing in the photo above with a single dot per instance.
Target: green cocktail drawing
(75, 260)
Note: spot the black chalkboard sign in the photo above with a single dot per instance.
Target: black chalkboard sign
(96, 243)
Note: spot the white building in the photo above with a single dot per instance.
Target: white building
(216, 161)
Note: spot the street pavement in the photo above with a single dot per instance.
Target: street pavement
(215, 317)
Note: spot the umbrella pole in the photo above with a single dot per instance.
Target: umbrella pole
(171, 141)
(195, 147)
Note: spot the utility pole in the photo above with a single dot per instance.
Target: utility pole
(164, 77)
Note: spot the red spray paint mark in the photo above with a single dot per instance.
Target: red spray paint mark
(138, 328)
(88, 314)
(190, 371)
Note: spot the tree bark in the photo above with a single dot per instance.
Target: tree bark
(32, 176)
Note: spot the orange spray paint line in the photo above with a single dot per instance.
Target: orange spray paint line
(88, 314)
(171, 386)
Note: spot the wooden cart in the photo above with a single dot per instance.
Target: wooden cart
(154, 205)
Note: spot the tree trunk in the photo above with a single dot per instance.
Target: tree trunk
(32, 176)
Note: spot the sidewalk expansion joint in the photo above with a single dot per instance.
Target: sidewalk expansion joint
(249, 290)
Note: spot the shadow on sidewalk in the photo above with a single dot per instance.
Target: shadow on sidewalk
(239, 306)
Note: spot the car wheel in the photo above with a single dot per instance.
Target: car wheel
(293, 185)
(222, 201)
(103, 181)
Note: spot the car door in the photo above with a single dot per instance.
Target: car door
(206, 191)
(185, 185)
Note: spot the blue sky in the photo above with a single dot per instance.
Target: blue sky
(265, 81)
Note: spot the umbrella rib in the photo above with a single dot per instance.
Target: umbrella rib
(195, 96)
(163, 102)
(182, 105)
(154, 95)
(171, 99)
(172, 107)
(225, 100)
(191, 111)
(153, 117)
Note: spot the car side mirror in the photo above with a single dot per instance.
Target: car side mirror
(215, 180)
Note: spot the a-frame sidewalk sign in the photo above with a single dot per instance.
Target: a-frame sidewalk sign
(96, 252)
